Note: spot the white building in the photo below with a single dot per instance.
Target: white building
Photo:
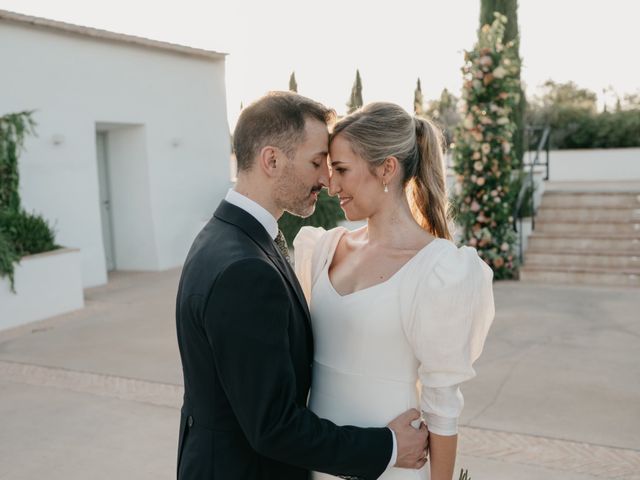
(132, 153)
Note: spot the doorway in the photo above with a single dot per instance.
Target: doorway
(106, 215)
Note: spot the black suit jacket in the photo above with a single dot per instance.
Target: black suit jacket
(247, 350)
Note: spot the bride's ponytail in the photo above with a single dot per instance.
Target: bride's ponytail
(427, 187)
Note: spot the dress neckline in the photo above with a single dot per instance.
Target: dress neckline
(371, 287)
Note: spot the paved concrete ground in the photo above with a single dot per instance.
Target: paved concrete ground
(95, 394)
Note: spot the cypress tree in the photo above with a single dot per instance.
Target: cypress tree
(293, 85)
(355, 101)
(418, 100)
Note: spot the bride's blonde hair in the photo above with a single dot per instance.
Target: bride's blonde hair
(380, 130)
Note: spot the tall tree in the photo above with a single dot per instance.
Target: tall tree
(564, 107)
(355, 101)
(293, 85)
(509, 8)
(418, 100)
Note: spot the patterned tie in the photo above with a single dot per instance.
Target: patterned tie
(281, 243)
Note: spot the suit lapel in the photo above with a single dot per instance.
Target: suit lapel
(247, 223)
(290, 275)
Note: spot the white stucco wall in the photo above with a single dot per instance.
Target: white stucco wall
(594, 165)
(168, 141)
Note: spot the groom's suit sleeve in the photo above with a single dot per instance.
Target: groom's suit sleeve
(246, 318)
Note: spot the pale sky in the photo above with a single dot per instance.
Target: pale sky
(591, 42)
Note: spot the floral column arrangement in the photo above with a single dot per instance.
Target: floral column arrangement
(483, 158)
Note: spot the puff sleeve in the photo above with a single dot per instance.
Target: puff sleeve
(447, 326)
(303, 253)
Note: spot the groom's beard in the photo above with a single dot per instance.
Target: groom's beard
(294, 196)
(305, 204)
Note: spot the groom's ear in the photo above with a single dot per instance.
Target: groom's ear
(268, 159)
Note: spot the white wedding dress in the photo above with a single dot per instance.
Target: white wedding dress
(405, 343)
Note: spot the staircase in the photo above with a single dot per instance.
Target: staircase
(586, 234)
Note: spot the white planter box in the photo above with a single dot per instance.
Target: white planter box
(46, 284)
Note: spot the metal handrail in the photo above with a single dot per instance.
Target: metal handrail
(529, 182)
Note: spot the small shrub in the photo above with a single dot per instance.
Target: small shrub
(28, 233)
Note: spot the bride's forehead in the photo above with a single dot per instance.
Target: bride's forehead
(341, 149)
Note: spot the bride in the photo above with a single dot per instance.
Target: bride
(399, 313)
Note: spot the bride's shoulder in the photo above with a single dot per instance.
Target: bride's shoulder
(457, 266)
(309, 237)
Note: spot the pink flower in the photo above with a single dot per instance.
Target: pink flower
(499, 72)
(468, 122)
(486, 148)
(475, 206)
(486, 61)
(480, 181)
(478, 165)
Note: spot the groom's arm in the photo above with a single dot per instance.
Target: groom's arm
(246, 319)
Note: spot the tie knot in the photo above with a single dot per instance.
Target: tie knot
(281, 243)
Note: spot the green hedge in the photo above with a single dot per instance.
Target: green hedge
(578, 128)
(604, 130)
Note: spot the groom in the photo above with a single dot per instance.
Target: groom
(244, 329)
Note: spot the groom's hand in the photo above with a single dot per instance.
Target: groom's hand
(412, 442)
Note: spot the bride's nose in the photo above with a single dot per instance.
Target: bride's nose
(334, 188)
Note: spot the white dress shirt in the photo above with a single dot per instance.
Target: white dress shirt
(270, 224)
(256, 210)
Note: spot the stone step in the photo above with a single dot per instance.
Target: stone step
(560, 227)
(588, 214)
(578, 242)
(591, 276)
(591, 199)
(572, 260)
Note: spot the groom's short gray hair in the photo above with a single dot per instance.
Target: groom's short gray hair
(276, 119)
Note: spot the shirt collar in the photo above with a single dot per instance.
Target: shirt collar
(254, 209)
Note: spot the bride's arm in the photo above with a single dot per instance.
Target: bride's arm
(442, 455)
(447, 328)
